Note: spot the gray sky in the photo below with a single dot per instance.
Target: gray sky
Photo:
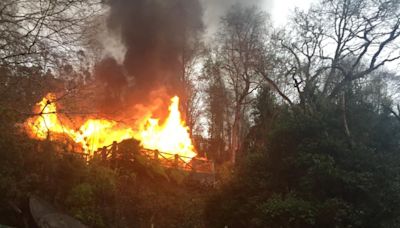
(280, 9)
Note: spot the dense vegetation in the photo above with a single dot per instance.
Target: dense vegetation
(133, 194)
(307, 173)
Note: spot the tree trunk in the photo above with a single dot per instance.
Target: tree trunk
(235, 135)
(345, 122)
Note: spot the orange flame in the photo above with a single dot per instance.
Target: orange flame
(171, 136)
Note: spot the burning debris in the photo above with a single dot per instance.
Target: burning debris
(170, 136)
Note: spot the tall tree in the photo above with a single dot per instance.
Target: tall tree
(340, 41)
(42, 32)
(217, 110)
(241, 44)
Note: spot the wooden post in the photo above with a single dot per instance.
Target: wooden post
(104, 154)
(176, 160)
(156, 155)
(194, 165)
(114, 155)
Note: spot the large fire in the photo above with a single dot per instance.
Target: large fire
(171, 136)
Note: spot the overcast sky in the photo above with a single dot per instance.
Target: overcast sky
(280, 9)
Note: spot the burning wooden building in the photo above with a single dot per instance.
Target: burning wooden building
(167, 142)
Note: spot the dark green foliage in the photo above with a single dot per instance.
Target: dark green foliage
(308, 173)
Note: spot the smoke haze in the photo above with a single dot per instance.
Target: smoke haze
(154, 35)
(215, 9)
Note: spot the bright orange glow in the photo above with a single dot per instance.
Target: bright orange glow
(48, 121)
(171, 136)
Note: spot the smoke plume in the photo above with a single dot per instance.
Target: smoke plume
(155, 34)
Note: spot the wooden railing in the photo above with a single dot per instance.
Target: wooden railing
(194, 164)
(168, 160)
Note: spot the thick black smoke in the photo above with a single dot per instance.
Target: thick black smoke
(155, 34)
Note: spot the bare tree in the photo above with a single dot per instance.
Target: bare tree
(242, 42)
(339, 41)
(43, 32)
(191, 57)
